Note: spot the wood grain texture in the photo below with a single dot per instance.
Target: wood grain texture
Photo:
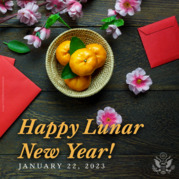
(158, 111)
(128, 52)
(95, 10)
(125, 167)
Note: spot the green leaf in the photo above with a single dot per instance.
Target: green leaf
(105, 25)
(67, 73)
(118, 23)
(76, 44)
(51, 20)
(38, 34)
(63, 22)
(109, 19)
(17, 46)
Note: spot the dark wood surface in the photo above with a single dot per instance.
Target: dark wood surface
(157, 109)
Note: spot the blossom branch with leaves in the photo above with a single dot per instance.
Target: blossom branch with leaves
(114, 20)
(28, 14)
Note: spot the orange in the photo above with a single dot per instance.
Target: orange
(62, 53)
(100, 53)
(83, 62)
(79, 83)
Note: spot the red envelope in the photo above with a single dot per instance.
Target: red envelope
(10, 60)
(161, 41)
(16, 93)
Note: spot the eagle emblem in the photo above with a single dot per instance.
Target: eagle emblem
(163, 164)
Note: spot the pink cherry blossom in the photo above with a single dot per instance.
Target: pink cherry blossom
(112, 29)
(32, 39)
(44, 33)
(138, 81)
(55, 5)
(6, 5)
(29, 14)
(111, 12)
(108, 116)
(74, 9)
(124, 7)
(22, 3)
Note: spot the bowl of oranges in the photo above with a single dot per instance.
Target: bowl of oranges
(79, 62)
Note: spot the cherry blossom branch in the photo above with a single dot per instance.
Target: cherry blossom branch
(48, 16)
(2, 20)
(114, 20)
(42, 4)
(34, 33)
(7, 18)
(72, 7)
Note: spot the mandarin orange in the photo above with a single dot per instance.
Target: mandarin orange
(79, 83)
(83, 62)
(100, 53)
(62, 53)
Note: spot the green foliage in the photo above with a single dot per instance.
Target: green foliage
(67, 72)
(53, 18)
(75, 44)
(111, 21)
(17, 46)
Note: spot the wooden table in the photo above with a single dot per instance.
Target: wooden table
(157, 109)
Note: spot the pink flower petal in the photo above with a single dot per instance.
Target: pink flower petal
(48, 32)
(118, 32)
(78, 7)
(144, 88)
(138, 81)
(138, 8)
(100, 113)
(115, 36)
(74, 10)
(119, 119)
(9, 3)
(109, 31)
(30, 39)
(141, 71)
(111, 12)
(117, 7)
(35, 8)
(109, 109)
(37, 29)
(149, 82)
(29, 6)
(124, 7)
(98, 121)
(129, 78)
(123, 12)
(22, 3)
(131, 11)
(43, 34)
(49, 6)
(29, 14)
(136, 91)
(108, 117)
(3, 9)
(38, 15)
(37, 43)
(143, 78)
